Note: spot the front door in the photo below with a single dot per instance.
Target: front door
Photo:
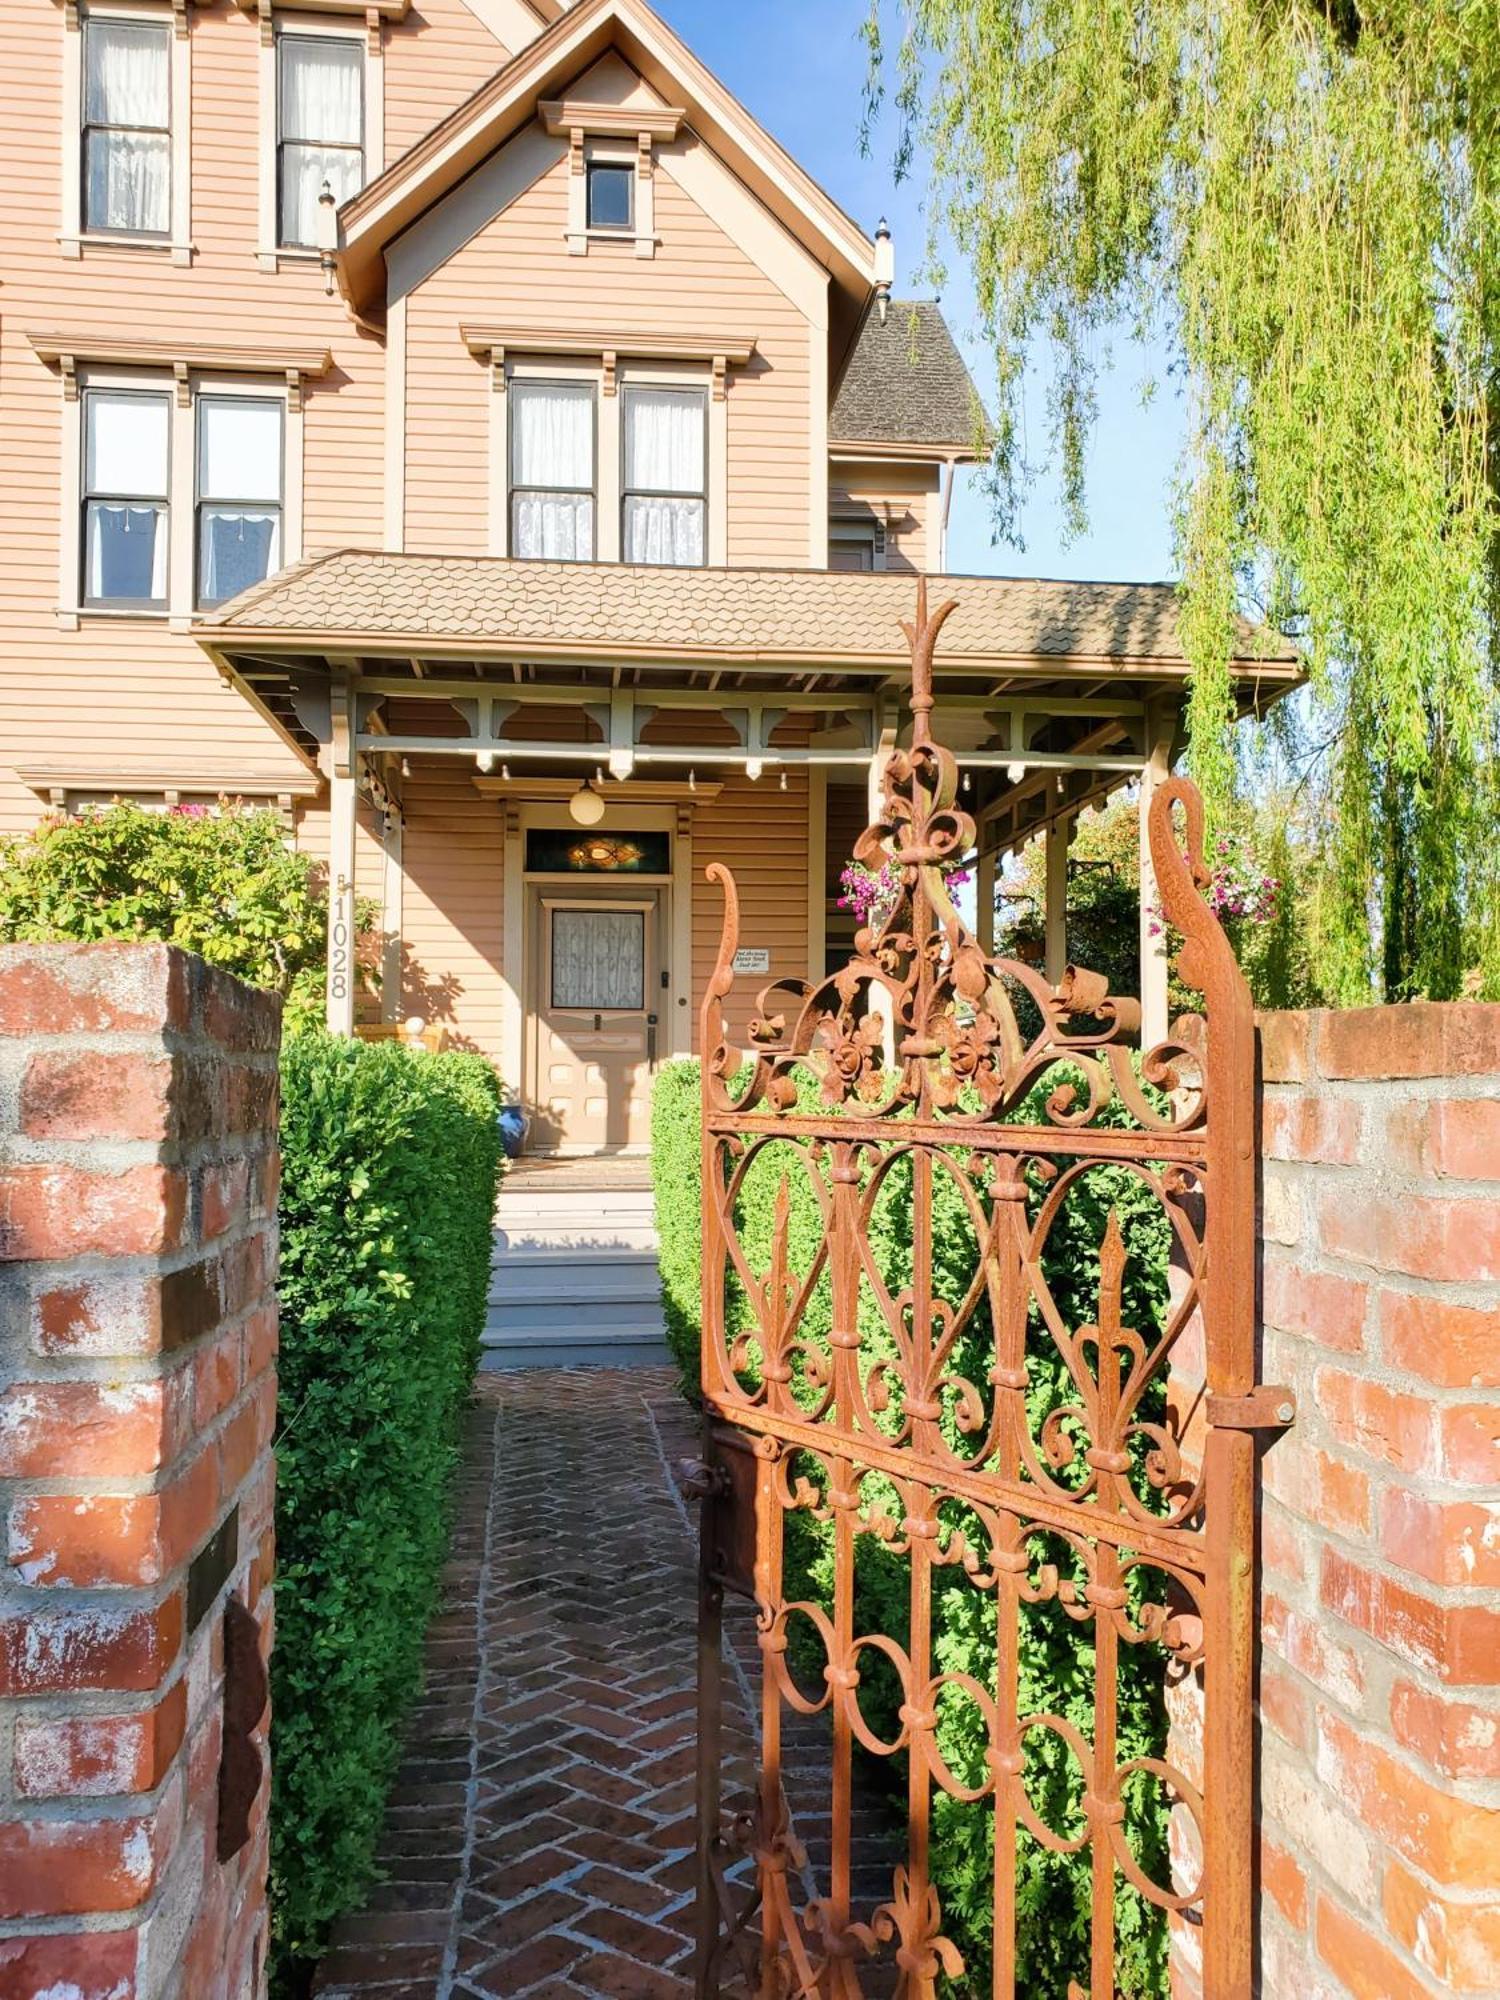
(596, 988)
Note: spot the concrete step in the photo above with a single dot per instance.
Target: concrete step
(577, 1217)
(562, 1315)
(574, 1246)
(640, 1345)
(603, 1276)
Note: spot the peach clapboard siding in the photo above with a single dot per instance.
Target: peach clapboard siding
(908, 496)
(759, 833)
(516, 268)
(123, 692)
(439, 55)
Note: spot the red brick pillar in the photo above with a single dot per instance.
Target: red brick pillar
(138, 1169)
(1380, 1667)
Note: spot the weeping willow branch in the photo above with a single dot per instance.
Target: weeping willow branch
(1300, 198)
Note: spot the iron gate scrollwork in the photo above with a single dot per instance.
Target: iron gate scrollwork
(902, 1412)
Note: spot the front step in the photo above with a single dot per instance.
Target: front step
(574, 1280)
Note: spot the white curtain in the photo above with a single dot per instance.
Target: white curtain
(127, 83)
(598, 959)
(125, 471)
(552, 447)
(664, 456)
(126, 553)
(322, 128)
(239, 547)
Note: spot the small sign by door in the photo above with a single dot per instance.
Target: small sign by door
(752, 958)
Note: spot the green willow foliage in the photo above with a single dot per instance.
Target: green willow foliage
(1300, 198)
(1054, 1892)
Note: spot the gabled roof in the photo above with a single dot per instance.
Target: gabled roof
(499, 608)
(562, 51)
(906, 383)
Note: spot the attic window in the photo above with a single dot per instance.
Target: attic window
(611, 195)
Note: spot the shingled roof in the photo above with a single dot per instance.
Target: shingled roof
(906, 383)
(500, 607)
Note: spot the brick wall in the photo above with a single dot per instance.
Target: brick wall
(138, 1104)
(1380, 1662)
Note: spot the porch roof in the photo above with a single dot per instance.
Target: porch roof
(354, 601)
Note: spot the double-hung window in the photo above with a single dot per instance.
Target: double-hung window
(320, 128)
(240, 479)
(552, 470)
(666, 475)
(127, 128)
(126, 484)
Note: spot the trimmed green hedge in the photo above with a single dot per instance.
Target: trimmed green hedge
(391, 1161)
(1054, 1891)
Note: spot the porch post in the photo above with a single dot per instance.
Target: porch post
(392, 918)
(342, 810)
(817, 870)
(1056, 904)
(513, 931)
(984, 895)
(885, 744)
(1154, 1008)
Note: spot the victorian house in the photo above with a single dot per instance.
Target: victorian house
(459, 425)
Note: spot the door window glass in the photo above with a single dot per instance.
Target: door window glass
(599, 959)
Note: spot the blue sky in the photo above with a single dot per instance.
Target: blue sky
(798, 66)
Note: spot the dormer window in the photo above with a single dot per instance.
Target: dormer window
(611, 195)
(127, 128)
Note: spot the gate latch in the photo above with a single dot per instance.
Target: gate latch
(1271, 1407)
(696, 1479)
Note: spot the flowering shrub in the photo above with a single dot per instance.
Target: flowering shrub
(222, 881)
(871, 893)
(1239, 887)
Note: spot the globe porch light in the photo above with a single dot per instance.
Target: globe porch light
(586, 806)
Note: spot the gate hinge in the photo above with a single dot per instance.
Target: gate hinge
(1269, 1408)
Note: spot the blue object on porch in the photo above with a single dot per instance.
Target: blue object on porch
(513, 1127)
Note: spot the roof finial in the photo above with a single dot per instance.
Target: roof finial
(885, 268)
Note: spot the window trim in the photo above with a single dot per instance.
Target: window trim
(190, 384)
(283, 36)
(202, 395)
(88, 497)
(637, 384)
(560, 380)
(101, 232)
(851, 532)
(74, 240)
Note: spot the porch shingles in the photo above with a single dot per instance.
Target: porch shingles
(540, 1836)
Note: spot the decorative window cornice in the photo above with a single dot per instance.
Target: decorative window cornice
(374, 12)
(68, 351)
(73, 12)
(491, 344)
(575, 119)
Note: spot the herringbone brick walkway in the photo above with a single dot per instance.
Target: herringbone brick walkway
(540, 1837)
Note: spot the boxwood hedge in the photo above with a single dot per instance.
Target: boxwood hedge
(391, 1160)
(1053, 1891)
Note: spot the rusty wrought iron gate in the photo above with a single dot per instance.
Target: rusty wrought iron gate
(911, 1407)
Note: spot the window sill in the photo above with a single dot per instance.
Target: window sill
(130, 246)
(71, 617)
(579, 241)
(288, 257)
